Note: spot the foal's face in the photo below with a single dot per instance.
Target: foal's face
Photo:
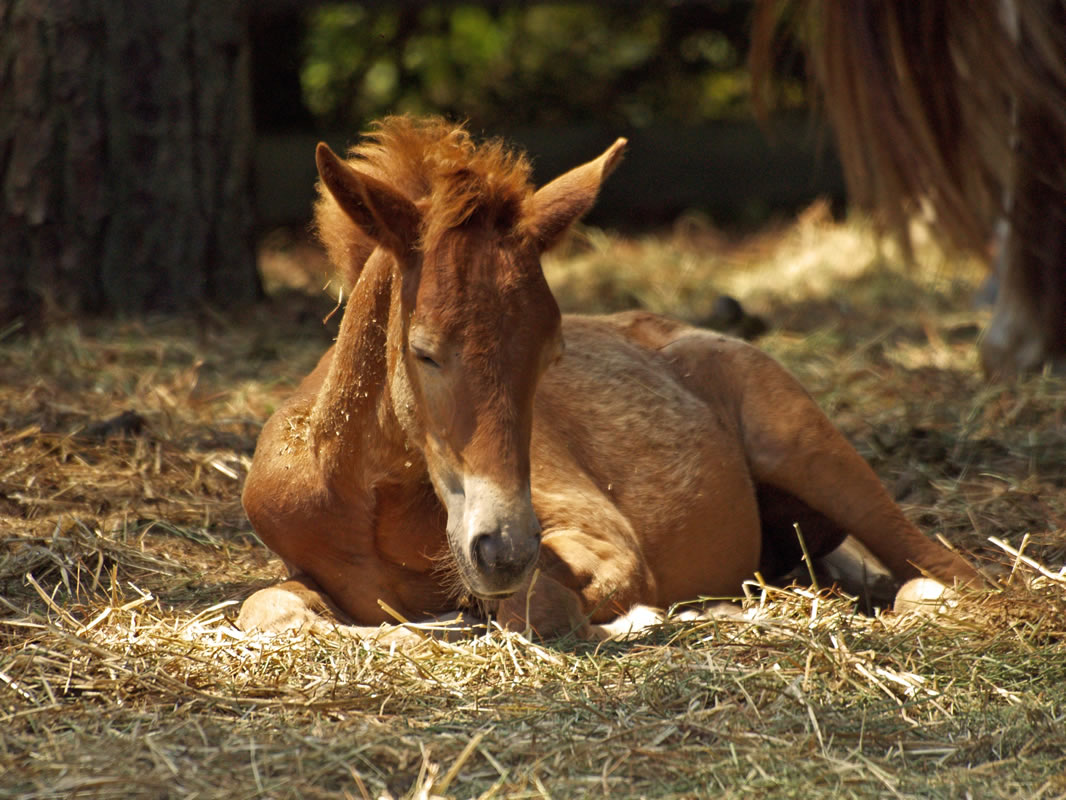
(479, 328)
(482, 329)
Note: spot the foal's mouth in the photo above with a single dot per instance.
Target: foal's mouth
(475, 586)
(493, 597)
(450, 575)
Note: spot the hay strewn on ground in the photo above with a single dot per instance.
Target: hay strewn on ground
(124, 552)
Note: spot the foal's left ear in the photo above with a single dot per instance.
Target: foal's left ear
(559, 204)
(385, 215)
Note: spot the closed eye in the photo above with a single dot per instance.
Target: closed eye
(425, 358)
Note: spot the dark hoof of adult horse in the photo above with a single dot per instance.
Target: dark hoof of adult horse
(729, 316)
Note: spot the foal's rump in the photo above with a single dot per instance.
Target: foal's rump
(714, 453)
(707, 364)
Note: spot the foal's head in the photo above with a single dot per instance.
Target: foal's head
(479, 325)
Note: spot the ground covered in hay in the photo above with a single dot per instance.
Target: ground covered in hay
(124, 553)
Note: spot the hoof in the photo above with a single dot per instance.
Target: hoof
(274, 610)
(924, 596)
(637, 619)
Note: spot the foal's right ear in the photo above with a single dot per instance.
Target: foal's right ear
(562, 202)
(385, 215)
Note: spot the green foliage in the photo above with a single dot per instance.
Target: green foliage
(515, 65)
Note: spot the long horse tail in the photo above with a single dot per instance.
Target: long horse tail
(924, 99)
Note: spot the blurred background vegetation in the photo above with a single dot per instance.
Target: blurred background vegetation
(119, 126)
(507, 65)
(559, 79)
(502, 65)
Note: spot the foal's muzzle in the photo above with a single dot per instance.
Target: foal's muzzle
(502, 560)
(496, 540)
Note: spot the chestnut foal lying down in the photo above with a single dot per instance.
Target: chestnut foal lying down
(464, 445)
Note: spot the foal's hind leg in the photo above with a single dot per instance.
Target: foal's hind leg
(792, 446)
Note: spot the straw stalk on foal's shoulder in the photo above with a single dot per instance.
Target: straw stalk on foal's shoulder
(463, 442)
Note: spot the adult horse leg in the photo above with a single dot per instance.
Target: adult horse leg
(1028, 327)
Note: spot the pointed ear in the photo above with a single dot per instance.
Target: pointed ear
(385, 215)
(559, 204)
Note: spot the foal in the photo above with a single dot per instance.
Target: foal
(463, 443)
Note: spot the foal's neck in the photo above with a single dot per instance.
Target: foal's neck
(352, 429)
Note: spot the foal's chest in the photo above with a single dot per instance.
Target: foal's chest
(409, 527)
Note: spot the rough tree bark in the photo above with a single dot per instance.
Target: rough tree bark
(125, 156)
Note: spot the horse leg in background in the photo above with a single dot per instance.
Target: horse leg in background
(1028, 326)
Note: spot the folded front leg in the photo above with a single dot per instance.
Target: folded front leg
(582, 579)
(544, 608)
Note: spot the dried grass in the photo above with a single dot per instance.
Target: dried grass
(123, 556)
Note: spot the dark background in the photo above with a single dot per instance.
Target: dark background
(146, 146)
(560, 80)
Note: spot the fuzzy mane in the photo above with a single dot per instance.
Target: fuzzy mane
(436, 165)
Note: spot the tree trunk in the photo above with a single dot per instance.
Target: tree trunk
(125, 156)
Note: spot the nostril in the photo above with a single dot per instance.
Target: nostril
(486, 551)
